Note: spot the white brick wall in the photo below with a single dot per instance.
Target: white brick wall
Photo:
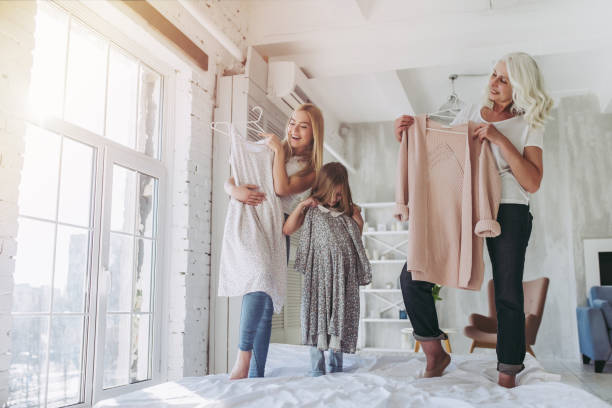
(189, 286)
(16, 43)
(189, 295)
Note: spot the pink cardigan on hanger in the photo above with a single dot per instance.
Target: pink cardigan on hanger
(449, 189)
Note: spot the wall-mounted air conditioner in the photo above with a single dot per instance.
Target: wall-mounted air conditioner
(287, 86)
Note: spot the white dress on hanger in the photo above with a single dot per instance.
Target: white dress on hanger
(253, 254)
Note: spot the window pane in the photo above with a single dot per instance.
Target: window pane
(122, 101)
(117, 351)
(147, 199)
(123, 200)
(121, 255)
(65, 360)
(70, 269)
(86, 79)
(48, 65)
(38, 187)
(139, 364)
(144, 271)
(75, 183)
(29, 337)
(33, 266)
(149, 109)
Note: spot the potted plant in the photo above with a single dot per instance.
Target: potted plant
(435, 291)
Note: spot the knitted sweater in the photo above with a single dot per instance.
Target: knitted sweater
(449, 189)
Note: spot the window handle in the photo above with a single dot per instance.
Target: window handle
(106, 282)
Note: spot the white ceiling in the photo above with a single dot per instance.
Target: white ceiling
(371, 60)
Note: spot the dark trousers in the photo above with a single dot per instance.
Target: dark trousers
(507, 254)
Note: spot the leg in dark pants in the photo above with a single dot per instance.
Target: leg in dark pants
(421, 310)
(507, 254)
(420, 307)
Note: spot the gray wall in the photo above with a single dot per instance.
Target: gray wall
(573, 203)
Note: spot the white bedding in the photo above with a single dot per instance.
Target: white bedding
(369, 380)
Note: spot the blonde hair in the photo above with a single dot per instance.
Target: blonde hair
(315, 153)
(528, 95)
(329, 177)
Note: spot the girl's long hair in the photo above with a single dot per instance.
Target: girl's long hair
(314, 156)
(331, 176)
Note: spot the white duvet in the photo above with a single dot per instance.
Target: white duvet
(369, 380)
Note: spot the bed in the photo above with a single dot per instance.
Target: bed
(369, 380)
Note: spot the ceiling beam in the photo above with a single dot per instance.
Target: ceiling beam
(161, 24)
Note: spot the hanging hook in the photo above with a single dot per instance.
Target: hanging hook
(452, 78)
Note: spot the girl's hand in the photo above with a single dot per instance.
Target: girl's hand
(248, 194)
(487, 131)
(273, 142)
(402, 123)
(309, 203)
(357, 217)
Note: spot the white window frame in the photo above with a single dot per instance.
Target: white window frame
(106, 150)
(142, 165)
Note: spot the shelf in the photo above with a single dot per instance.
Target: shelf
(374, 233)
(381, 290)
(376, 205)
(381, 320)
(386, 350)
(387, 262)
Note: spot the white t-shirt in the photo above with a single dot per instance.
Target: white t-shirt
(519, 133)
(293, 165)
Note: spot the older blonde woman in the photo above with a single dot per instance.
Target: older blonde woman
(511, 119)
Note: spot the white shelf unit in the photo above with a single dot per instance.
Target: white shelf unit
(376, 233)
(385, 350)
(386, 302)
(383, 320)
(381, 290)
(388, 262)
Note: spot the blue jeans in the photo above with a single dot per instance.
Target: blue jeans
(317, 362)
(255, 329)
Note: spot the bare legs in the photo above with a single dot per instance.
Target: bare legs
(241, 366)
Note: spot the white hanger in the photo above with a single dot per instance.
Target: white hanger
(251, 124)
(255, 123)
(453, 105)
(443, 130)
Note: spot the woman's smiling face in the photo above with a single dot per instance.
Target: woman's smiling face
(500, 90)
(299, 132)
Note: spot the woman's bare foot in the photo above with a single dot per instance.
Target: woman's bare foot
(506, 380)
(241, 367)
(436, 365)
(437, 358)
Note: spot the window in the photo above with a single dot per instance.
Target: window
(86, 80)
(84, 301)
(54, 242)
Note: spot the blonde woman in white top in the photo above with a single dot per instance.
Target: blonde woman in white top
(512, 119)
(297, 160)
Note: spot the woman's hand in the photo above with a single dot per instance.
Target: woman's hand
(248, 194)
(402, 124)
(273, 142)
(487, 131)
